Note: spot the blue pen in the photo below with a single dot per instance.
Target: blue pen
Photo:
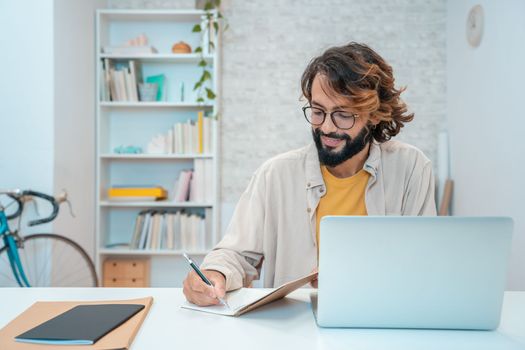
(201, 275)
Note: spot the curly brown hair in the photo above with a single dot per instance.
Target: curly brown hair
(357, 72)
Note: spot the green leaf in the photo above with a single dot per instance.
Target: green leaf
(196, 28)
(219, 15)
(197, 85)
(198, 49)
(208, 6)
(200, 100)
(210, 94)
(202, 63)
(217, 3)
(212, 45)
(216, 26)
(206, 75)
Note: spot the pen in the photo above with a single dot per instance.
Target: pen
(201, 275)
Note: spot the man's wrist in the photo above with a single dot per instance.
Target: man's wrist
(213, 270)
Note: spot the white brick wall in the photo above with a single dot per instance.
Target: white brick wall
(268, 45)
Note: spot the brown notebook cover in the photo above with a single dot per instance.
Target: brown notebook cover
(41, 311)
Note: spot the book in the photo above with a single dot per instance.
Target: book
(182, 188)
(243, 300)
(160, 81)
(136, 77)
(42, 311)
(137, 193)
(110, 80)
(154, 231)
(170, 231)
(139, 222)
(200, 126)
(81, 325)
(145, 230)
(131, 85)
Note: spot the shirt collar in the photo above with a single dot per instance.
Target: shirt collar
(313, 167)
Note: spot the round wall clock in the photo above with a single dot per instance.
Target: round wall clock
(475, 26)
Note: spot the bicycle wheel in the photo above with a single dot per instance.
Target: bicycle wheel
(50, 260)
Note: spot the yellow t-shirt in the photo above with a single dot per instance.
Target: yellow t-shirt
(344, 196)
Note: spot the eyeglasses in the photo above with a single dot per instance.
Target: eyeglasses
(342, 120)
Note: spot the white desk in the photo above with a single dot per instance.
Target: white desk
(288, 323)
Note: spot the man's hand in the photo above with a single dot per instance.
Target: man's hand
(314, 282)
(199, 293)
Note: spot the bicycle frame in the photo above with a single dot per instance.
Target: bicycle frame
(12, 252)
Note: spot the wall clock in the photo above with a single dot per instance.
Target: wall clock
(475, 26)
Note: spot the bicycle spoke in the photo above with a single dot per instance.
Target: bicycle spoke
(73, 273)
(25, 264)
(50, 260)
(8, 271)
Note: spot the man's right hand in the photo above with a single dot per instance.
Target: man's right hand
(199, 293)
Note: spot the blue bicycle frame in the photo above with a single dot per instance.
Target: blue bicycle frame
(12, 252)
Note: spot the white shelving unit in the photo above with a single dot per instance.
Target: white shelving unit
(136, 123)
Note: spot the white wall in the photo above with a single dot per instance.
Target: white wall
(47, 106)
(74, 144)
(486, 115)
(26, 96)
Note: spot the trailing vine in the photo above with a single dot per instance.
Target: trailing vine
(213, 17)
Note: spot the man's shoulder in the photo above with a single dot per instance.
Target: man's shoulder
(287, 160)
(398, 151)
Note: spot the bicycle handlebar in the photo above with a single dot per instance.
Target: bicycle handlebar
(17, 195)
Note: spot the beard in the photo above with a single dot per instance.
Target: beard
(331, 158)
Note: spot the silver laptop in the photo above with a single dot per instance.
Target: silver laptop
(412, 272)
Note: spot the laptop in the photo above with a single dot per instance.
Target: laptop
(412, 272)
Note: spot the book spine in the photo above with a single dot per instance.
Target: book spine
(200, 126)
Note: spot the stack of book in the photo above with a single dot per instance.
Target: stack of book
(195, 185)
(171, 230)
(120, 79)
(139, 193)
(186, 138)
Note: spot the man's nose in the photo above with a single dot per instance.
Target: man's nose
(328, 125)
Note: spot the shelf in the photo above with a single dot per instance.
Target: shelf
(136, 122)
(154, 156)
(154, 104)
(150, 252)
(152, 15)
(160, 57)
(164, 204)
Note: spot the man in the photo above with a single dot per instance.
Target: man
(351, 168)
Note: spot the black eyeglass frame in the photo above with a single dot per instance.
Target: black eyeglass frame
(354, 116)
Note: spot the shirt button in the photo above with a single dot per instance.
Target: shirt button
(309, 210)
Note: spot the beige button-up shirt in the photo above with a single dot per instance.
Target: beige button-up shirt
(275, 221)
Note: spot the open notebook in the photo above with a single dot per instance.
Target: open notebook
(243, 300)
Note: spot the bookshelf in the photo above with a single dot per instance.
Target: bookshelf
(123, 123)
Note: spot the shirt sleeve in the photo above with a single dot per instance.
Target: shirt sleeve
(419, 195)
(239, 255)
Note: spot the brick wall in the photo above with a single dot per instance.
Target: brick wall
(268, 45)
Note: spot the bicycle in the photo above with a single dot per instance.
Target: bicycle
(41, 259)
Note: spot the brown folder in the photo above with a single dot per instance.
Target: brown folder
(41, 311)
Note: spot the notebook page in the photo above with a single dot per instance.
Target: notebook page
(236, 300)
